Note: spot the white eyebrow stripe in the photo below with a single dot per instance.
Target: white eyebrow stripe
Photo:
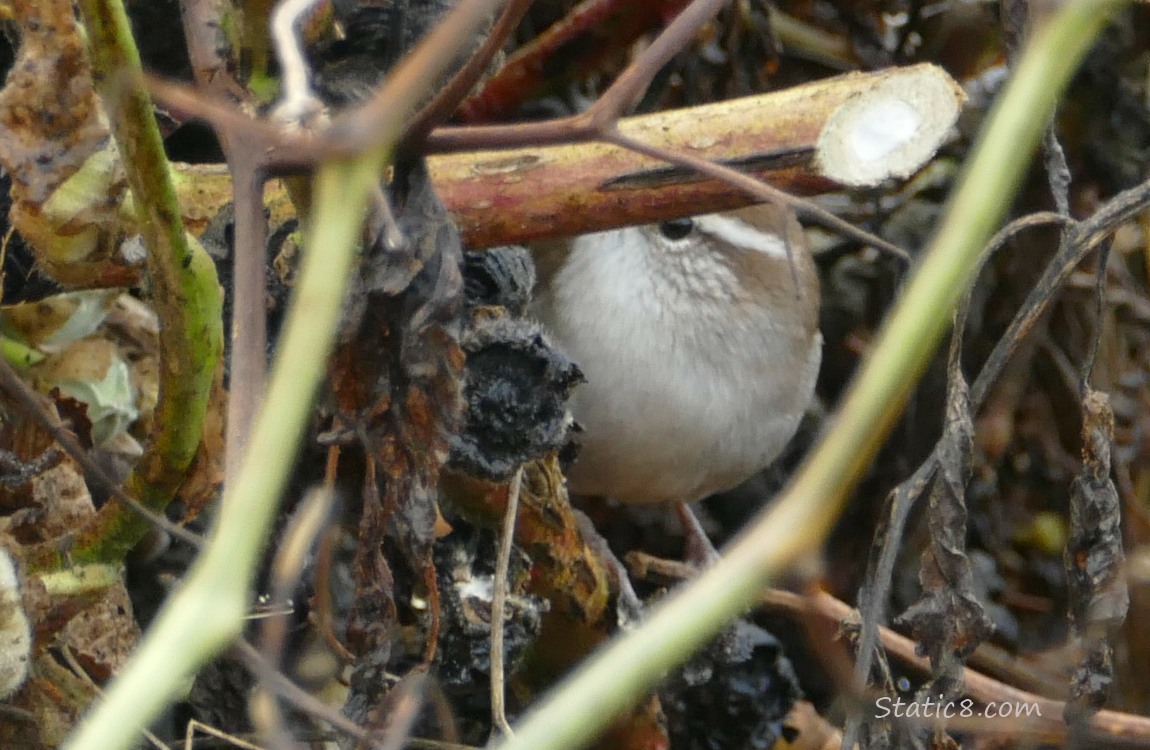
(741, 234)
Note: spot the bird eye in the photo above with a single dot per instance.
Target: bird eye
(676, 229)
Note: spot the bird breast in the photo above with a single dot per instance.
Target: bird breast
(700, 356)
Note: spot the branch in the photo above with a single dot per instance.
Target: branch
(808, 139)
(576, 45)
(186, 293)
(449, 97)
(1046, 726)
(804, 140)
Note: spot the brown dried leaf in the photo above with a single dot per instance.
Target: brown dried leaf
(397, 384)
(948, 620)
(103, 635)
(67, 184)
(1094, 559)
(61, 496)
(97, 627)
(49, 112)
(55, 698)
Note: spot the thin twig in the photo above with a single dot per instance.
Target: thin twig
(271, 677)
(499, 605)
(248, 361)
(1087, 372)
(306, 524)
(449, 97)
(195, 725)
(632, 83)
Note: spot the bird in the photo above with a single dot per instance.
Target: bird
(698, 338)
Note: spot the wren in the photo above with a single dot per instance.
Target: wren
(700, 344)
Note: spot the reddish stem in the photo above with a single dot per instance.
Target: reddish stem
(574, 47)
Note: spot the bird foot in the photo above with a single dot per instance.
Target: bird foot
(700, 553)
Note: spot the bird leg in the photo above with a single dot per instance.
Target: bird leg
(699, 551)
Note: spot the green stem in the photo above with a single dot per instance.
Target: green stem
(185, 291)
(794, 528)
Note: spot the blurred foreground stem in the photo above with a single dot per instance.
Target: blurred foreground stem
(206, 616)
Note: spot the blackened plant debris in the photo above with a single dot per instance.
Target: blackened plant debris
(376, 35)
(735, 693)
(949, 620)
(465, 562)
(396, 381)
(349, 68)
(517, 383)
(396, 385)
(1094, 560)
(218, 698)
(499, 277)
(516, 392)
